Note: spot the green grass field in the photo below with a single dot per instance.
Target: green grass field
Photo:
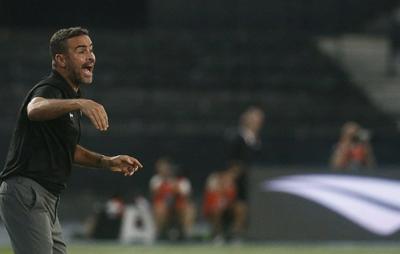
(336, 248)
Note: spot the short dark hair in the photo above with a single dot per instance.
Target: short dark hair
(59, 39)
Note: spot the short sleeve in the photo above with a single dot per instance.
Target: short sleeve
(184, 187)
(155, 183)
(47, 91)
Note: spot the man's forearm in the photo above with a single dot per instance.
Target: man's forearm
(86, 158)
(41, 109)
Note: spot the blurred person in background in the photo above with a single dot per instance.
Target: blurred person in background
(185, 207)
(244, 146)
(106, 222)
(353, 151)
(220, 203)
(137, 222)
(171, 201)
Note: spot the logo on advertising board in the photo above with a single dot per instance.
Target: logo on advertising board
(370, 202)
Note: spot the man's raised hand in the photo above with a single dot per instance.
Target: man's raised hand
(95, 112)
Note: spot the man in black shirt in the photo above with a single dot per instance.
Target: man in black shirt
(244, 148)
(45, 144)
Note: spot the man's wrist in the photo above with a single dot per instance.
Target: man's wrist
(77, 103)
(104, 162)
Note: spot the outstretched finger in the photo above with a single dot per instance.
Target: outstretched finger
(103, 118)
(129, 171)
(94, 122)
(132, 170)
(99, 121)
(134, 162)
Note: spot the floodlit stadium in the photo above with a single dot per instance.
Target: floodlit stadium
(262, 127)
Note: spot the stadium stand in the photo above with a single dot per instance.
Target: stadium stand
(180, 84)
(173, 88)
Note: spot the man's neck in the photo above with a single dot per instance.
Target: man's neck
(74, 86)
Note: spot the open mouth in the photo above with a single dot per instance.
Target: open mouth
(88, 70)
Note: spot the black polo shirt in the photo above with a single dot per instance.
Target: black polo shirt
(44, 150)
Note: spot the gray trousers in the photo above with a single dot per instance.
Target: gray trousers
(29, 213)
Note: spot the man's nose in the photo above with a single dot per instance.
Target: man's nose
(91, 57)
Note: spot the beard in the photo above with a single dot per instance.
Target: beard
(75, 76)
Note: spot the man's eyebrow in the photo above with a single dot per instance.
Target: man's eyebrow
(84, 46)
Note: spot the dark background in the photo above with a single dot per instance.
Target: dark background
(175, 75)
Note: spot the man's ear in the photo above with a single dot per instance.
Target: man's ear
(60, 60)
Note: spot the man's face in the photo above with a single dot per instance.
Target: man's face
(256, 120)
(163, 168)
(80, 60)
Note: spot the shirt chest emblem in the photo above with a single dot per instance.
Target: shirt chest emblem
(71, 116)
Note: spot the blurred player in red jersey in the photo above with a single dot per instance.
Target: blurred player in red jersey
(171, 199)
(220, 201)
